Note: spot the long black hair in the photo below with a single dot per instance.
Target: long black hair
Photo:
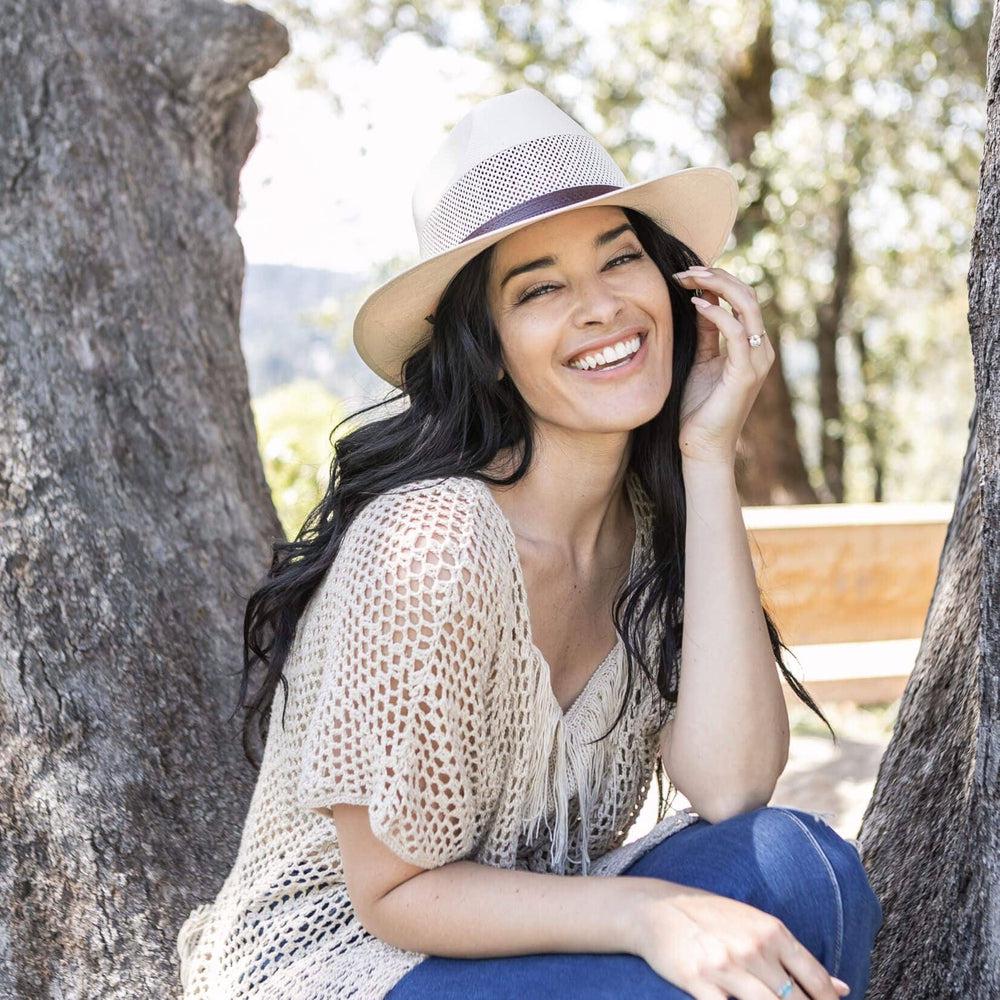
(460, 415)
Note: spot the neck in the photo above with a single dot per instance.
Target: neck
(572, 501)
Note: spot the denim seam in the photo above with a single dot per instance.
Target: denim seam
(833, 880)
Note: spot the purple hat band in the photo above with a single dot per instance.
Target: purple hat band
(542, 204)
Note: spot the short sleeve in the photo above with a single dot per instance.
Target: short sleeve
(407, 639)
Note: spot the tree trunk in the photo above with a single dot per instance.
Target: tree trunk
(829, 322)
(770, 468)
(135, 511)
(870, 411)
(931, 833)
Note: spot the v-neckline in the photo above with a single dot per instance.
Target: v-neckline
(522, 595)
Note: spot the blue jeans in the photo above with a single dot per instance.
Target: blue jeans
(785, 861)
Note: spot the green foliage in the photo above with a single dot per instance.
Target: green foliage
(294, 423)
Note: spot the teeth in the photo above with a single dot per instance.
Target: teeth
(615, 352)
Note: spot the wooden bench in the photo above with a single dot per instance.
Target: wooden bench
(848, 586)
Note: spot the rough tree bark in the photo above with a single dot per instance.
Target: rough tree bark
(931, 833)
(135, 514)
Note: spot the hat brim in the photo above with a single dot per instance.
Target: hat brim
(698, 205)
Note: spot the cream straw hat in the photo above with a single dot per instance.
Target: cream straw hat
(511, 161)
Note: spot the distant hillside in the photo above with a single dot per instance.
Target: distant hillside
(296, 322)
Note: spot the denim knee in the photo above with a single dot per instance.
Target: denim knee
(843, 857)
(784, 825)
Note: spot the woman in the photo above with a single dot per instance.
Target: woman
(455, 737)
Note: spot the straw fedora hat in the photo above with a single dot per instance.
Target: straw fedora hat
(513, 160)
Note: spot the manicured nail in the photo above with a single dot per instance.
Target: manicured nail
(680, 274)
(841, 985)
(699, 302)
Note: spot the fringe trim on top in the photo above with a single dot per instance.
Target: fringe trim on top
(565, 763)
(590, 762)
(544, 735)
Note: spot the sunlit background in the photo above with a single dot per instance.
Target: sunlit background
(855, 131)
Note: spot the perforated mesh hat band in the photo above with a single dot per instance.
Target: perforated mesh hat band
(511, 161)
(543, 203)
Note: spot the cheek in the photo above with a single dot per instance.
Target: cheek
(531, 348)
(655, 294)
(656, 301)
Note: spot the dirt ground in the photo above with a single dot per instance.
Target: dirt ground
(819, 776)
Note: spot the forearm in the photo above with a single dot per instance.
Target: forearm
(469, 910)
(730, 732)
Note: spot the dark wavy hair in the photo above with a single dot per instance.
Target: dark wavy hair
(460, 415)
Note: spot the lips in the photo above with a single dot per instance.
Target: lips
(599, 345)
(620, 371)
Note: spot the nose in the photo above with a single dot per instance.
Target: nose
(598, 302)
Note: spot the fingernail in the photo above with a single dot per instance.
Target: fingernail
(699, 302)
(680, 274)
(841, 985)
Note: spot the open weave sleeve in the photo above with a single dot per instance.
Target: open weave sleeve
(399, 719)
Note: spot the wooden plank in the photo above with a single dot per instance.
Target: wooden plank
(847, 572)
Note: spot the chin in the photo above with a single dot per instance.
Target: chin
(627, 418)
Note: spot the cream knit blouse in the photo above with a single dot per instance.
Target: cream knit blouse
(414, 688)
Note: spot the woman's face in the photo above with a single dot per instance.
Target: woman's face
(569, 284)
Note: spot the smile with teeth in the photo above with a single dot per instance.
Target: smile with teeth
(611, 357)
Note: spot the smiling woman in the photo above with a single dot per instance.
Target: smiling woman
(478, 631)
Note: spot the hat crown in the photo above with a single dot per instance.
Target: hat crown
(499, 156)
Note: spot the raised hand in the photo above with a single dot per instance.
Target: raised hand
(722, 387)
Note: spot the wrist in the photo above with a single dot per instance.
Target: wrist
(641, 920)
(705, 462)
(714, 475)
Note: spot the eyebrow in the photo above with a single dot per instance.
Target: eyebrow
(600, 240)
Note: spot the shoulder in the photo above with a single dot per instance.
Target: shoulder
(425, 529)
(446, 511)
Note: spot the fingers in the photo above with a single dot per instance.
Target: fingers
(781, 957)
(739, 295)
(748, 986)
(807, 970)
(746, 315)
(738, 347)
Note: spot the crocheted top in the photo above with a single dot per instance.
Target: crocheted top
(414, 687)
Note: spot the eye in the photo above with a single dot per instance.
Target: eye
(534, 291)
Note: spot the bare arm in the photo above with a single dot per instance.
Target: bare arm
(467, 910)
(462, 909)
(492, 912)
(728, 671)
